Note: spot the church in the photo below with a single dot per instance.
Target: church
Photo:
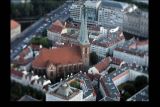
(71, 58)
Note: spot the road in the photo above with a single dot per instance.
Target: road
(60, 13)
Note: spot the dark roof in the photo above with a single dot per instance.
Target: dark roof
(115, 4)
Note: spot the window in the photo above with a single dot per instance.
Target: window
(85, 50)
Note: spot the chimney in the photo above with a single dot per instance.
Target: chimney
(40, 46)
(44, 76)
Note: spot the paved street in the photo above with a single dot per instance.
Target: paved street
(60, 13)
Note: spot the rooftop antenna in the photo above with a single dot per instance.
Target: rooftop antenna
(44, 76)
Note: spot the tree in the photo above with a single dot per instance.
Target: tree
(44, 33)
(111, 69)
(93, 58)
(126, 95)
(140, 82)
(130, 88)
(41, 41)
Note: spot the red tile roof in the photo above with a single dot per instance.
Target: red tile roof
(103, 64)
(14, 24)
(58, 23)
(16, 73)
(116, 60)
(55, 29)
(64, 55)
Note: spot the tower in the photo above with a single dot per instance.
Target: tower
(83, 38)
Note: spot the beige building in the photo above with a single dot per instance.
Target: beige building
(15, 29)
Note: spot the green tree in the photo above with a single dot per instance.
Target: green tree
(140, 82)
(93, 58)
(111, 69)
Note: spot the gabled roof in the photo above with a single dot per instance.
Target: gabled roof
(63, 55)
(56, 27)
(103, 64)
(58, 23)
(14, 24)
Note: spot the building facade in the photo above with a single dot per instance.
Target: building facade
(75, 11)
(136, 23)
(20, 1)
(110, 13)
(130, 56)
(91, 8)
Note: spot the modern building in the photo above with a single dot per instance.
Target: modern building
(60, 61)
(136, 23)
(75, 11)
(91, 9)
(15, 29)
(111, 13)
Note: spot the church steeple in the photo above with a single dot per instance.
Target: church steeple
(83, 37)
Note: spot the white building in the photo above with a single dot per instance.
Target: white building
(67, 90)
(131, 56)
(28, 78)
(136, 23)
(20, 1)
(91, 9)
(55, 30)
(106, 43)
(75, 11)
(15, 29)
(110, 13)
(64, 92)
